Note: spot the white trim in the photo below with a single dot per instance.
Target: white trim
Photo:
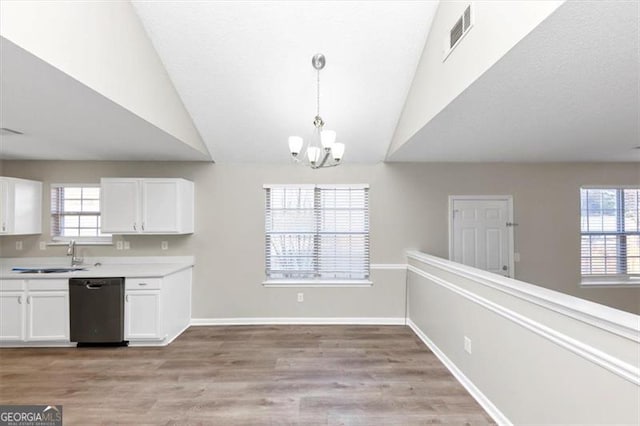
(615, 281)
(620, 368)
(316, 185)
(317, 283)
(497, 415)
(343, 186)
(22, 344)
(289, 185)
(610, 186)
(621, 323)
(157, 342)
(381, 266)
(64, 241)
(509, 200)
(298, 321)
(74, 185)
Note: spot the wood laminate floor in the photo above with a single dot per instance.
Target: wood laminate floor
(246, 375)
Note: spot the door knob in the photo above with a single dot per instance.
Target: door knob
(504, 268)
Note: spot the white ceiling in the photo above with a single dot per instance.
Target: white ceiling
(569, 91)
(243, 70)
(62, 119)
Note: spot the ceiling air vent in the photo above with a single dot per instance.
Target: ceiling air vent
(458, 31)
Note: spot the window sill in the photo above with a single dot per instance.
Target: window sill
(621, 281)
(80, 243)
(318, 283)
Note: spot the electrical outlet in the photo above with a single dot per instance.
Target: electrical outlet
(19, 245)
(300, 297)
(119, 245)
(43, 245)
(467, 344)
(164, 245)
(127, 245)
(516, 257)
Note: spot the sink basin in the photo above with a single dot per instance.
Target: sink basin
(45, 270)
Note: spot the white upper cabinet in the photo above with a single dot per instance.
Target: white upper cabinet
(146, 206)
(20, 206)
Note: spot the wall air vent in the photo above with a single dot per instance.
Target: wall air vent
(458, 31)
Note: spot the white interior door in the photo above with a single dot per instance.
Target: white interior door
(481, 234)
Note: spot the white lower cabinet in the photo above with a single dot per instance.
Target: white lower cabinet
(142, 315)
(12, 315)
(34, 311)
(157, 310)
(48, 316)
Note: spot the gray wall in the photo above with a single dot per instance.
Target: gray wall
(408, 211)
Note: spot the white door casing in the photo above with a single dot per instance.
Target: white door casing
(481, 232)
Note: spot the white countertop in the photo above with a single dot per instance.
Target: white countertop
(128, 267)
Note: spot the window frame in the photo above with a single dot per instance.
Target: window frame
(80, 240)
(320, 282)
(608, 280)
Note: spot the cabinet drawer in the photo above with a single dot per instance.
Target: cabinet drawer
(47, 284)
(11, 285)
(142, 283)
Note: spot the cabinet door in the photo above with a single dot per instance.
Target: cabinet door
(12, 315)
(160, 206)
(4, 207)
(48, 316)
(142, 315)
(119, 206)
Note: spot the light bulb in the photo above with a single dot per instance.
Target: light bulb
(313, 153)
(327, 138)
(337, 151)
(295, 145)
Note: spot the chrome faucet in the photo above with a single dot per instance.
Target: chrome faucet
(71, 251)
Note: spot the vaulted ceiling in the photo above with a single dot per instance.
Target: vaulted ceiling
(243, 70)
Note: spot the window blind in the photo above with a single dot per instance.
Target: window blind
(610, 231)
(317, 232)
(75, 212)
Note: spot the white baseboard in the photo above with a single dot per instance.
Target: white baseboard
(298, 321)
(481, 398)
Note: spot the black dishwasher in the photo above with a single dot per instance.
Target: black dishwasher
(97, 311)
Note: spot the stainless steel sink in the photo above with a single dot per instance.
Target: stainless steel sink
(45, 270)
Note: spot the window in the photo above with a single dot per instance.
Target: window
(317, 232)
(610, 233)
(75, 213)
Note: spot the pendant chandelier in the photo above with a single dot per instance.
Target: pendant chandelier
(322, 150)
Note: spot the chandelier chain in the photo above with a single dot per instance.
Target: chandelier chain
(318, 93)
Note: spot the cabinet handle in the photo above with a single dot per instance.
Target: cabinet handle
(4, 226)
(126, 298)
(134, 227)
(19, 300)
(142, 284)
(28, 300)
(143, 226)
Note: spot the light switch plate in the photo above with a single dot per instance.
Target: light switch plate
(43, 245)
(119, 245)
(19, 245)
(127, 245)
(164, 245)
(516, 257)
